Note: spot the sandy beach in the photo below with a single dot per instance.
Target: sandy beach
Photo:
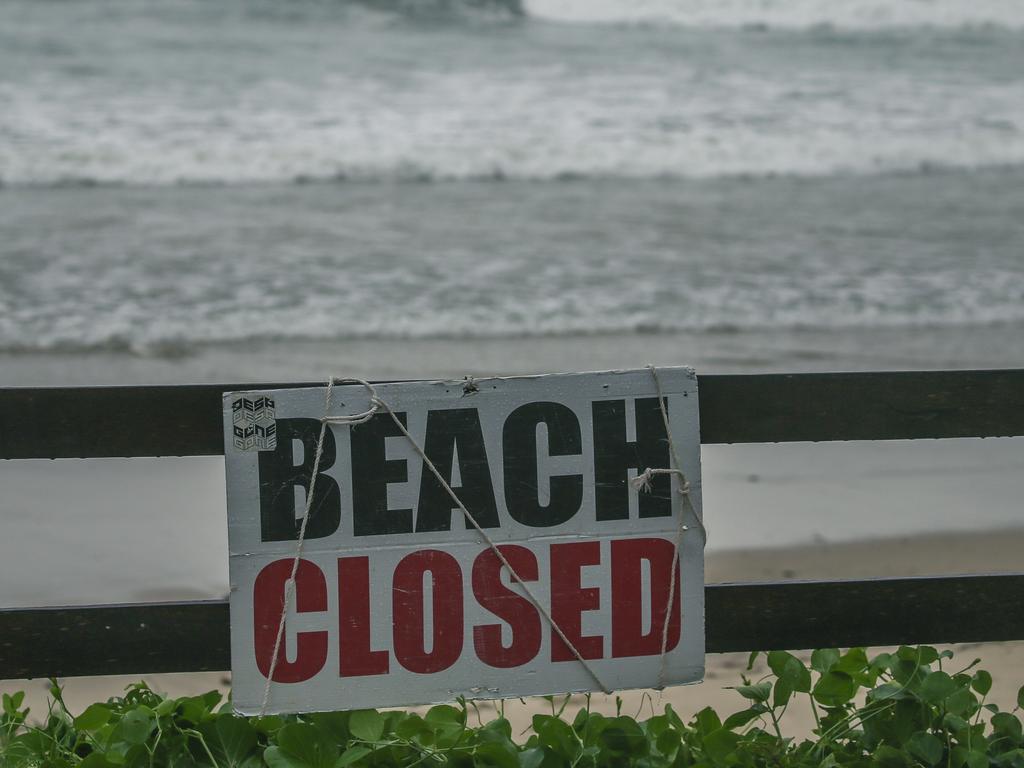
(994, 552)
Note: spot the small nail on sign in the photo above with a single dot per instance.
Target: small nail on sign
(399, 600)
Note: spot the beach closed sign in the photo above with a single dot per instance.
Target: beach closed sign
(487, 538)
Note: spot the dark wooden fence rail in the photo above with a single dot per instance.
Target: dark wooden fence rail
(193, 636)
(98, 422)
(83, 422)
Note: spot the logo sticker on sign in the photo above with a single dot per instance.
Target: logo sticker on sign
(398, 599)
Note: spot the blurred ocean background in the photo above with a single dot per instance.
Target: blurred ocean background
(287, 189)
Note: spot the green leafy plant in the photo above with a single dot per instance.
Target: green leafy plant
(893, 710)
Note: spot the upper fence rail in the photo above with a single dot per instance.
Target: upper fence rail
(185, 420)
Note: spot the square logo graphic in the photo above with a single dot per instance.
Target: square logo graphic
(254, 424)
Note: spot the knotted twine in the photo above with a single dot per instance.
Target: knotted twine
(642, 483)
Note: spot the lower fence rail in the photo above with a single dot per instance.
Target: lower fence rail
(193, 636)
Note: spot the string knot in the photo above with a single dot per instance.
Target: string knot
(351, 419)
(643, 481)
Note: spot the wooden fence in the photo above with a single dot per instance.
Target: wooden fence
(92, 422)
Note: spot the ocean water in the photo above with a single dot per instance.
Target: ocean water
(268, 189)
(178, 174)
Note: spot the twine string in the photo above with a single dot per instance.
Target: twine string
(642, 483)
(289, 590)
(376, 404)
(495, 548)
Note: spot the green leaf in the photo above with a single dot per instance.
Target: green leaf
(351, 755)
(739, 719)
(135, 726)
(977, 759)
(306, 746)
(501, 728)
(936, 687)
(1012, 759)
(674, 719)
(531, 758)
(495, 754)
(888, 691)
(622, 736)
(580, 721)
(196, 709)
(823, 659)
(268, 724)
(926, 747)
(668, 742)
(954, 723)
(11, 704)
(1020, 697)
(335, 725)
(882, 662)
(446, 716)
(962, 702)
(982, 682)
(758, 692)
(95, 716)
(275, 757)
(366, 724)
(890, 757)
(719, 745)
(788, 667)
(232, 740)
(447, 724)
(834, 689)
(922, 655)
(707, 720)
(783, 693)
(557, 736)
(1007, 725)
(166, 707)
(751, 659)
(410, 726)
(853, 661)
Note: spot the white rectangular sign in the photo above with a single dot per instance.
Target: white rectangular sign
(399, 600)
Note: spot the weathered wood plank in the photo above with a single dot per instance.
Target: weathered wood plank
(187, 637)
(114, 639)
(830, 614)
(99, 422)
(767, 408)
(185, 420)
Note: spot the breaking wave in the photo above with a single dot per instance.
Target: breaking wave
(536, 126)
(332, 307)
(193, 93)
(862, 15)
